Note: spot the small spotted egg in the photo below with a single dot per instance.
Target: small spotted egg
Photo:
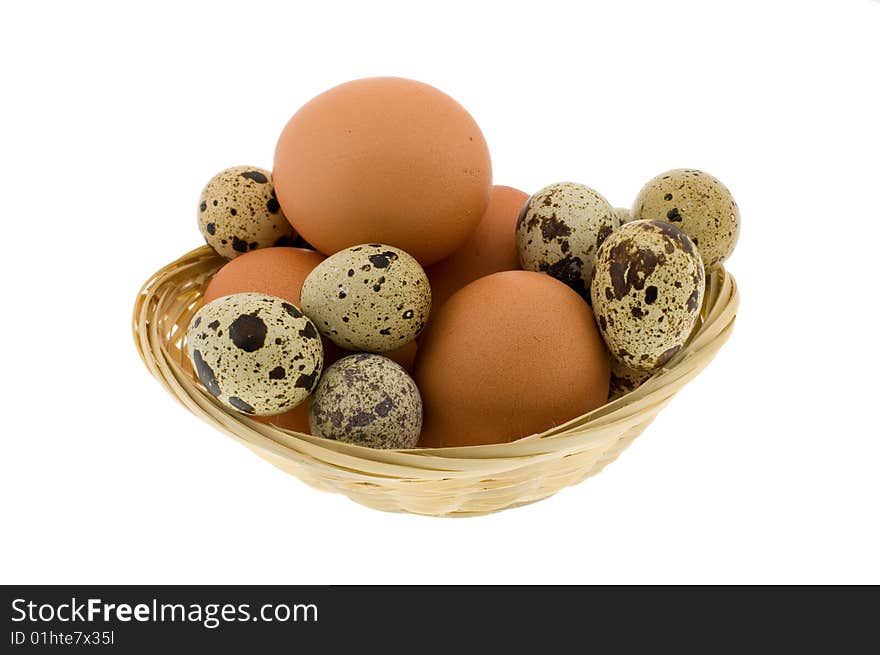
(624, 380)
(697, 203)
(255, 353)
(647, 291)
(238, 212)
(368, 400)
(559, 231)
(371, 297)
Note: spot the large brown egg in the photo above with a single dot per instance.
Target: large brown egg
(491, 248)
(385, 160)
(509, 355)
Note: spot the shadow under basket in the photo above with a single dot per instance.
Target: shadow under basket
(438, 482)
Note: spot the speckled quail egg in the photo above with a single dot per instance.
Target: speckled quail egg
(647, 291)
(368, 400)
(559, 231)
(625, 379)
(697, 203)
(623, 215)
(238, 212)
(371, 297)
(258, 354)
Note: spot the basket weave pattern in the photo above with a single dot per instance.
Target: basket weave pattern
(438, 482)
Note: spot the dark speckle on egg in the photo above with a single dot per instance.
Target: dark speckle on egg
(359, 419)
(666, 355)
(248, 332)
(552, 228)
(384, 406)
(291, 309)
(240, 405)
(256, 176)
(380, 260)
(568, 269)
(308, 331)
(307, 381)
(205, 373)
(693, 302)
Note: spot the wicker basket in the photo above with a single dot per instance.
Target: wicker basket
(438, 482)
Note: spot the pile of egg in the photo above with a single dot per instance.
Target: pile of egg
(381, 291)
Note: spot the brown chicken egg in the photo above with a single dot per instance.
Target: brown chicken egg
(274, 271)
(490, 249)
(511, 354)
(385, 160)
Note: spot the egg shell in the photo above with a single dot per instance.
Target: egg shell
(490, 249)
(623, 215)
(647, 290)
(295, 420)
(255, 353)
(625, 379)
(511, 354)
(371, 297)
(272, 271)
(559, 231)
(385, 160)
(404, 356)
(368, 400)
(699, 204)
(239, 212)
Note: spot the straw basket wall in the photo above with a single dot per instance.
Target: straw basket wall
(437, 482)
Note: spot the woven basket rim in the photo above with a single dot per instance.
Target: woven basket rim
(169, 298)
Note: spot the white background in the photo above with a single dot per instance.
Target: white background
(764, 469)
